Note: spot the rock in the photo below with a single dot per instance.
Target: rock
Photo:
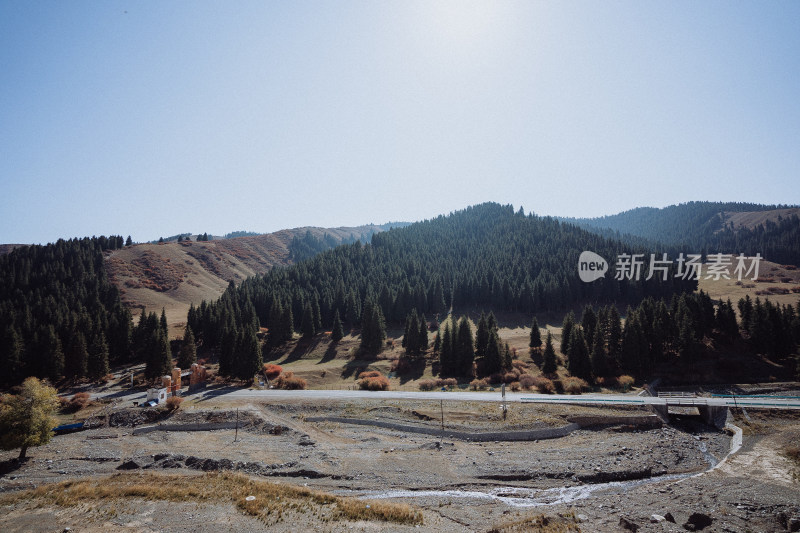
(654, 519)
(627, 523)
(129, 465)
(669, 518)
(697, 522)
(794, 524)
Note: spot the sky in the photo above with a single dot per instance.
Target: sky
(156, 118)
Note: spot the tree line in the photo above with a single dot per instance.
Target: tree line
(484, 256)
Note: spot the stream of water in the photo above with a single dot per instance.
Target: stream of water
(529, 497)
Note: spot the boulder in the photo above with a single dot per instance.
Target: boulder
(628, 524)
(129, 465)
(697, 522)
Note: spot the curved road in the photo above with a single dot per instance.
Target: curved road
(760, 402)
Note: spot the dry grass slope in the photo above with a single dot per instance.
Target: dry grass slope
(270, 500)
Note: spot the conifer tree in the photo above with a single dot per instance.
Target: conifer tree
(163, 323)
(589, 324)
(77, 357)
(493, 360)
(248, 359)
(129, 241)
(549, 364)
(423, 334)
(188, 353)
(566, 331)
(614, 329)
(579, 364)
(481, 336)
(373, 328)
(337, 333)
(98, 357)
(599, 361)
(446, 351)
(463, 351)
(536, 335)
(307, 325)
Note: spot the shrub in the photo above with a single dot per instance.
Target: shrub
(288, 381)
(520, 366)
(526, 381)
(369, 374)
(515, 386)
(544, 385)
(374, 383)
(426, 384)
(510, 377)
(447, 382)
(79, 401)
(625, 382)
(479, 384)
(272, 371)
(174, 403)
(573, 385)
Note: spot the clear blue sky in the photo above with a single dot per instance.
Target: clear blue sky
(155, 118)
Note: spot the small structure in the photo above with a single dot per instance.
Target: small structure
(175, 390)
(156, 395)
(197, 378)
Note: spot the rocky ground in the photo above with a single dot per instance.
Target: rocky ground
(608, 478)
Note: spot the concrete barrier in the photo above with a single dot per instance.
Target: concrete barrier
(532, 434)
(202, 426)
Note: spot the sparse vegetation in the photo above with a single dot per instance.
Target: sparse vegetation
(287, 380)
(174, 403)
(270, 500)
(561, 523)
(373, 380)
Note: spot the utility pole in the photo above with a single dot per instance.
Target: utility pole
(236, 435)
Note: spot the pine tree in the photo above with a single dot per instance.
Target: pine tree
(128, 241)
(77, 357)
(493, 360)
(307, 325)
(589, 324)
(598, 357)
(481, 336)
(536, 335)
(373, 328)
(463, 351)
(159, 362)
(248, 357)
(614, 329)
(579, 364)
(423, 334)
(163, 323)
(566, 331)
(188, 353)
(411, 335)
(286, 330)
(446, 351)
(98, 357)
(337, 333)
(549, 365)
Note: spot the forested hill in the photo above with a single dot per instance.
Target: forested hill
(484, 257)
(59, 313)
(732, 227)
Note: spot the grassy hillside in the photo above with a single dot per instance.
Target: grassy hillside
(172, 275)
(694, 227)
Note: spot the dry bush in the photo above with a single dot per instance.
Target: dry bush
(561, 523)
(515, 386)
(526, 381)
(288, 381)
(271, 503)
(426, 384)
(174, 403)
(272, 371)
(544, 385)
(520, 366)
(479, 384)
(573, 385)
(374, 383)
(625, 382)
(447, 382)
(510, 377)
(369, 374)
(79, 401)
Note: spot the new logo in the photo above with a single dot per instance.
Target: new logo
(591, 266)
